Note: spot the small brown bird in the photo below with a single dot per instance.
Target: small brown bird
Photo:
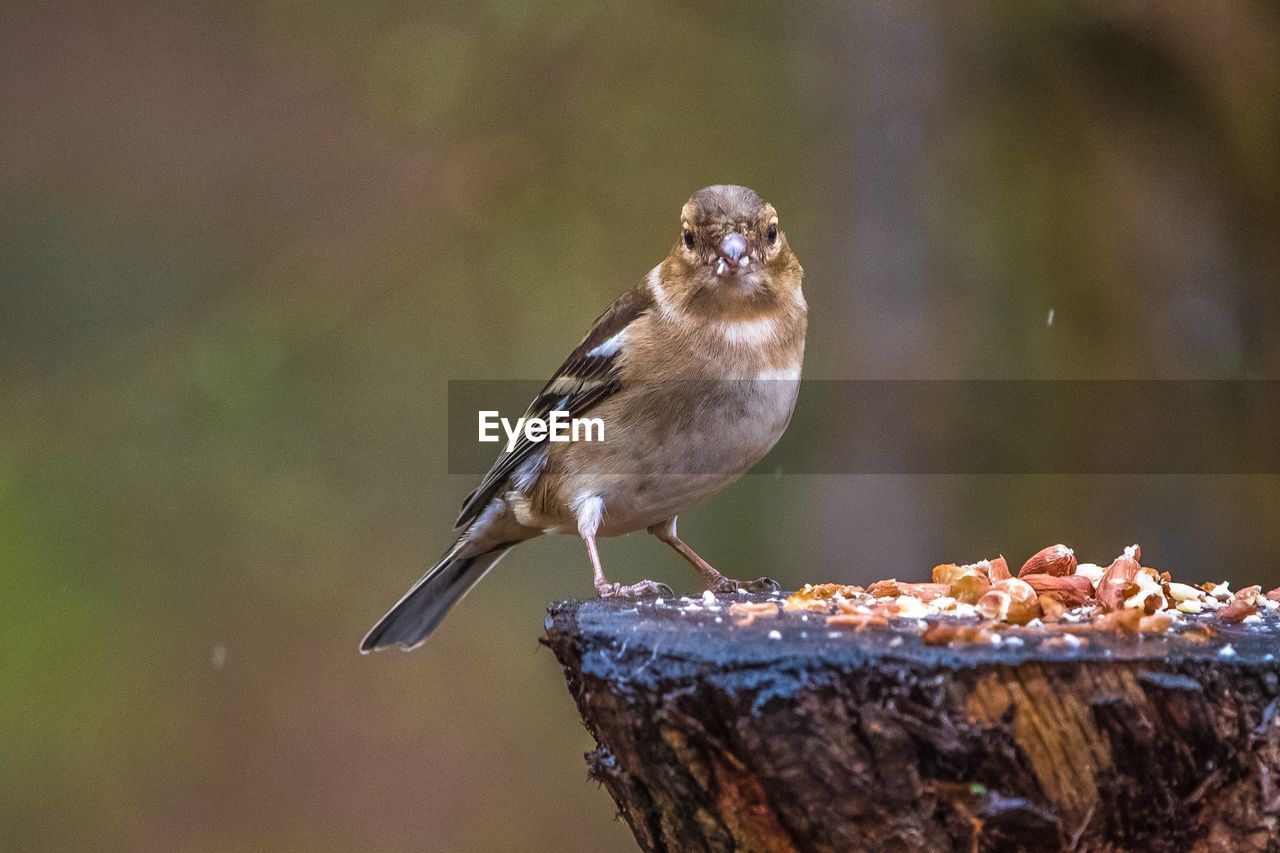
(693, 373)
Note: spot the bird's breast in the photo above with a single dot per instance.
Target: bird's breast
(668, 445)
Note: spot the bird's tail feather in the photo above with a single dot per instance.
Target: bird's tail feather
(429, 600)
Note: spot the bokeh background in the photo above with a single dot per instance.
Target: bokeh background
(244, 248)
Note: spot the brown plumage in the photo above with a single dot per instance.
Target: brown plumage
(694, 374)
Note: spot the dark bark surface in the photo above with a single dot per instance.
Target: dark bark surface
(784, 735)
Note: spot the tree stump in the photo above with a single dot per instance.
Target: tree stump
(786, 735)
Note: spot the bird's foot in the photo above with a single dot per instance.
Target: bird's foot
(635, 590)
(724, 584)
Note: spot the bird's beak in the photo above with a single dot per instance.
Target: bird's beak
(731, 254)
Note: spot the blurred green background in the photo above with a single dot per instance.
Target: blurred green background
(244, 248)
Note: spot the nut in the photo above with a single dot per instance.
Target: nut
(995, 604)
(969, 588)
(926, 591)
(1070, 590)
(1052, 608)
(885, 589)
(1156, 623)
(997, 569)
(1125, 597)
(1092, 571)
(910, 607)
(1182, 591)
(1220, 591)
(949, 633)
(1237, 611)
(746, 612)
(993, 570)
(1147, 593)
(1117, 581)
(1011, 600)
(1121, 621)
(1249, 594)
(819, 598)
(1054, 560)
(857, 621)
(948, 572)
(965, 584)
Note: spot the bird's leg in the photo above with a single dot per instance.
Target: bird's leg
(588, 522)
(716, 582)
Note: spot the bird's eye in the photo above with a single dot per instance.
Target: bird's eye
(688, 238)
(772, 233)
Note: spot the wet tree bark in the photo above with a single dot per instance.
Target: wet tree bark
(783, 735)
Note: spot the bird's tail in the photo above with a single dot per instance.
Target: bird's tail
(429, 600)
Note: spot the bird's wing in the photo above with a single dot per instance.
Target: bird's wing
(588, 376)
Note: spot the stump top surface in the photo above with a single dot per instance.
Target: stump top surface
(786, 734)
(690, 635)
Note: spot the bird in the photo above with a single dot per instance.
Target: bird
(694, 375)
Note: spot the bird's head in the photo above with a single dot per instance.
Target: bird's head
(731, 248)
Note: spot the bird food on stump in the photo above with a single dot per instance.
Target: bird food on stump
(753, 723)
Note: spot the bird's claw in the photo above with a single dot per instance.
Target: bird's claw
(724, 584)
(635, 590)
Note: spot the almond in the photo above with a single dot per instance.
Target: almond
(746, 612)
(993, 570)
(910, 607)
(1010, 600)
(995, 604)
(1220, 591)
(940, 633)
(1249, 594)
(799, 601)
(946, 573)
(1052, 608)
(1116, 582)
(925, 591)
(969, 588)
(857, 621)
(885, 589)
(1092, 571)
(949, 633)
(998, 569)
(1070, 590)
(1155, 623)
(1182, 592)
(1237, 610)
(1122, 621)
(1147, 593)
(1054, 560)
